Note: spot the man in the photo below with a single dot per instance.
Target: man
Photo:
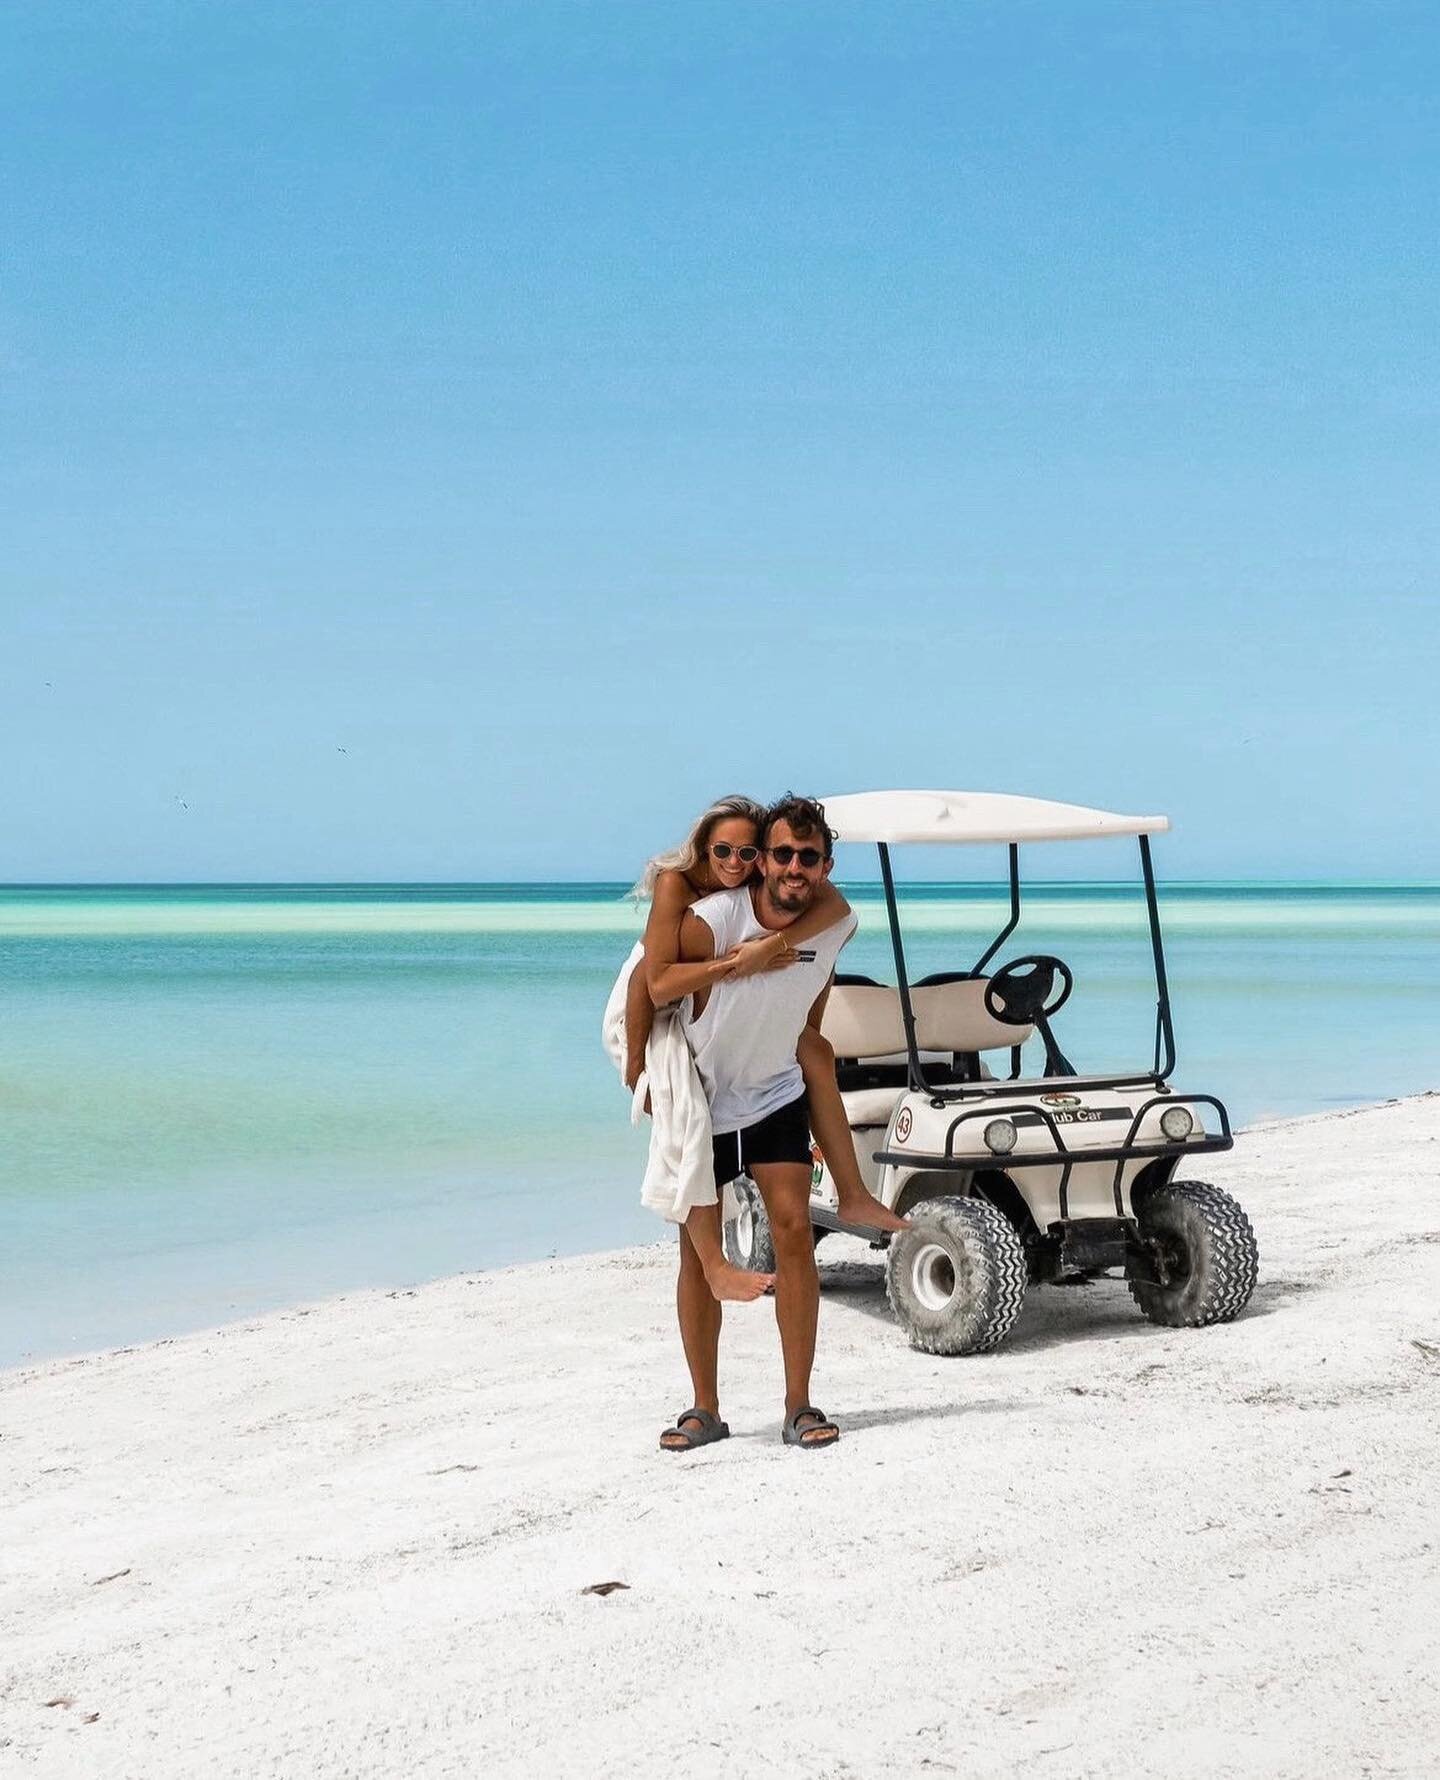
(743, 1034)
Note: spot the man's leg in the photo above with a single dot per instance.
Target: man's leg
(785, 1188)
(700, 1315)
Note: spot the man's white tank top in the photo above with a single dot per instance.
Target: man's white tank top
(744, 1042)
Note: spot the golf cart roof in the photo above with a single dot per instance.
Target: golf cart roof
(974, 816)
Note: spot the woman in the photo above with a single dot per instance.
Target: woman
(720, 854)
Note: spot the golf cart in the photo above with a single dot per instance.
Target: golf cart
(1019, 1179)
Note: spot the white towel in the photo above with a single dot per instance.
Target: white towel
(680, 1170)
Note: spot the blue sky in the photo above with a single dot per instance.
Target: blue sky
(456, 441)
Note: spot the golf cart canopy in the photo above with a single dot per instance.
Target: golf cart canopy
(889, 817)
(903, 816)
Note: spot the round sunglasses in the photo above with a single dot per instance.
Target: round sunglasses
(809, 857)
(722, 850)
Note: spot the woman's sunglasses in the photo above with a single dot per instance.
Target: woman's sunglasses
(746, 855)
(809, 857)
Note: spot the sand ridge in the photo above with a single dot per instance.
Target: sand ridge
(352, 1538)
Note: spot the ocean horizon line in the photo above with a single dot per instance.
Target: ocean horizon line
(621, 887)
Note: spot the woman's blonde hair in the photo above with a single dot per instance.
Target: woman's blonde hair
(691, 851)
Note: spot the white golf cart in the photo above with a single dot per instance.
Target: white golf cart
(1024, 1179)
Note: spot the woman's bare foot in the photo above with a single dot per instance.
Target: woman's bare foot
(734, 1285)
(865, 1208)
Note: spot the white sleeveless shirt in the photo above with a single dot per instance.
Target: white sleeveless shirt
(744, 1042)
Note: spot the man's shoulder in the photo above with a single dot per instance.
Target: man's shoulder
(720, 903)
(832, 940)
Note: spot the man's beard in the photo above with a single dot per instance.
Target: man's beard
(788, 902)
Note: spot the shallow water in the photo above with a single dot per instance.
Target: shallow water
(213, 1101)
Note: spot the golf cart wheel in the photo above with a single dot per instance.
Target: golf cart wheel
(956, 1278)
(746, 1236)
(1205, 1252)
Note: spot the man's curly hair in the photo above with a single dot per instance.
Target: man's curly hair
(806, 818)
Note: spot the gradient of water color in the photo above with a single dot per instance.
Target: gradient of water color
(214, 1101)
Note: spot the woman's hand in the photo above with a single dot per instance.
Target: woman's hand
(773, 952)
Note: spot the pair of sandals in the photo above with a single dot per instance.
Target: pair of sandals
(709, 1428)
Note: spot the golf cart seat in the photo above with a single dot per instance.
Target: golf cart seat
(866, 1028)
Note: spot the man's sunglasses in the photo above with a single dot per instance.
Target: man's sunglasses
(809, 857)
(746, 855)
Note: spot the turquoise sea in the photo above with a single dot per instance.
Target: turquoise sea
(218, 1100)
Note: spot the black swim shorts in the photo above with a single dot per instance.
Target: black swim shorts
(781, 1136)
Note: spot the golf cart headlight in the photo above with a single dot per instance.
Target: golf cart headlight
(1177, 1122)
(1000, 1135)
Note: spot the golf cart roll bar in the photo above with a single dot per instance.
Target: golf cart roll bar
(1164, 1060)
(1000, 938)
(1164, 1030)
(917, 1082)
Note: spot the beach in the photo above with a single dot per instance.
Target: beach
(356, 1538)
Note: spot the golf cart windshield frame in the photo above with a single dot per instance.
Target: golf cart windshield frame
(1164, 1063)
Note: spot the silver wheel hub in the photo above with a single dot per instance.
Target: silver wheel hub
(745, 1230)
(932, 1276)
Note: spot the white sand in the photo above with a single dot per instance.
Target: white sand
(352, 1540)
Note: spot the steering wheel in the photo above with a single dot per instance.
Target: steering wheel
(1016, 996)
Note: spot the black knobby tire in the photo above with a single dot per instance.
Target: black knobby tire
(746, 1237)
(1207, 1248)
(956, 1278)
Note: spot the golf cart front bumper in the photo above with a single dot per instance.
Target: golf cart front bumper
(956, 1156)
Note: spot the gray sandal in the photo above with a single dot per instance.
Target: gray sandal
(711, 1428)
(794, 1435)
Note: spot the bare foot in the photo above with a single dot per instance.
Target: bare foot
(866, 1209)
(734, 1285)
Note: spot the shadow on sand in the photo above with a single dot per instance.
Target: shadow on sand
(932, 1412)
(854, 1421)
(1095, 1310)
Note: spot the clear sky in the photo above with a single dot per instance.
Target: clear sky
(458, 440)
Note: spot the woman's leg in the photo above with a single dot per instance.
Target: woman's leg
(831, 1129)
(727, 1282)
